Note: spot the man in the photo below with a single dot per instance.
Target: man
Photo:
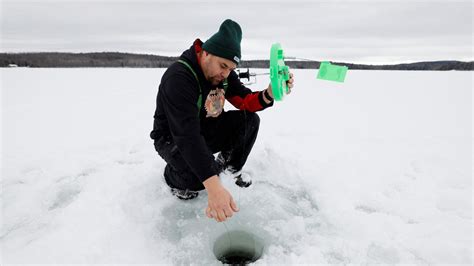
(190, 124)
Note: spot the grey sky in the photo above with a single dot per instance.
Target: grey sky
(350, 30)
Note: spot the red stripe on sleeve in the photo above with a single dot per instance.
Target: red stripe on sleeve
(250, 103)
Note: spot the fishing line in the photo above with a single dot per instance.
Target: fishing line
(298, 58)
(228, 235)
(242, 158)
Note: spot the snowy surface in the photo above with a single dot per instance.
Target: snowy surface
(375, 170)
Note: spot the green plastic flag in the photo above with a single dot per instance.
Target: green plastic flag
(327, 71)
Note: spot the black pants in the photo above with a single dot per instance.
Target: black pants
(233, 133)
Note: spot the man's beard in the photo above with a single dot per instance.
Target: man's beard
(216, 80)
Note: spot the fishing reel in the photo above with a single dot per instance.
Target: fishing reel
(279, 73)
(247, 75)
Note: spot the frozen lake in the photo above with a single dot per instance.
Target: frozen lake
(375, 170)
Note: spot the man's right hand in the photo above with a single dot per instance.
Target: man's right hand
(221, 205)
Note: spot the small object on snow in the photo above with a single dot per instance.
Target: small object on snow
(327, 71)
(184, 194)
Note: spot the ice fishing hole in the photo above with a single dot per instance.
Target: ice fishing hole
(238, 247)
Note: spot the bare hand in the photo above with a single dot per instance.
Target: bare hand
(290, 84)
(221, 205)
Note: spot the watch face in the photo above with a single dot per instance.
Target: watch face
(215, 102)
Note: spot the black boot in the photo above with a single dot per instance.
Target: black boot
(242, 183)
(184, 194)
(242, 180)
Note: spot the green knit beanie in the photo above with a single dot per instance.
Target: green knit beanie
(226, 42)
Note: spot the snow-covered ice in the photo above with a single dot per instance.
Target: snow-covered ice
(375, 170)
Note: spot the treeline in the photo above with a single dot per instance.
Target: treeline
(435, 65)
(64, 60)
(115, 59)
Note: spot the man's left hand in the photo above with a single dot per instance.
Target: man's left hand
(290, 83)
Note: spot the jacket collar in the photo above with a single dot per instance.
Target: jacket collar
(191, 56)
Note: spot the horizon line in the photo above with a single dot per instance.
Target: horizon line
(291, 60)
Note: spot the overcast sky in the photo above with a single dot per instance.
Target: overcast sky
(350, 30)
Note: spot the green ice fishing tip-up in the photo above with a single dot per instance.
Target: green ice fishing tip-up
(280, 74)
